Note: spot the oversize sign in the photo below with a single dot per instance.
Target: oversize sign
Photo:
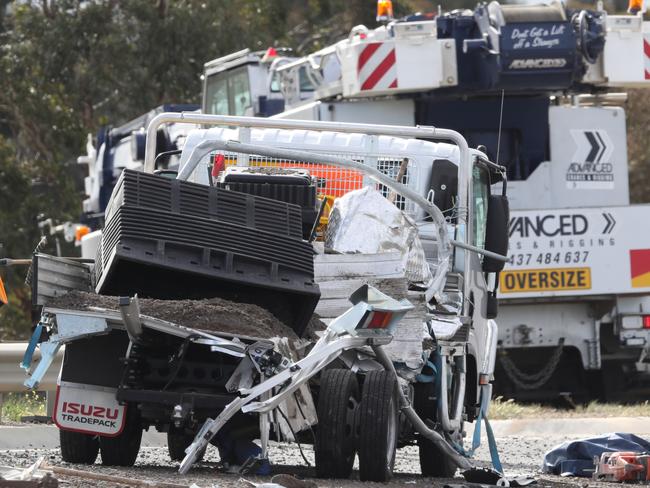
(550, 279)
(588, 251)
(88, 409)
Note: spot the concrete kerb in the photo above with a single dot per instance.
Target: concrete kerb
(573, 427)
(33, 436)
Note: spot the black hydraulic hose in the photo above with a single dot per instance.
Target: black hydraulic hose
(179, 360)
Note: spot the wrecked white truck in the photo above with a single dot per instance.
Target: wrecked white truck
(196, 316)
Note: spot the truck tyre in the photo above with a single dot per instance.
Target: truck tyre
(78, 448)
(122, 450)
(433, 463)
(335, 445)
(177, 441)
(378, 426)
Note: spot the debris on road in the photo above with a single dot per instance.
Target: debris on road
(282, 481)
(128, 481)
(623, 466)
(46, 481)
(576, 458)
(32, 477)
(481, 477)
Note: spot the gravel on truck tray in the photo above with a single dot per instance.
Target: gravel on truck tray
(210, 314)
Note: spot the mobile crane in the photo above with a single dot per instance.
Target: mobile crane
(539, 89)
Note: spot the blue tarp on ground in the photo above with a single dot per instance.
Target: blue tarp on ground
(576, 458)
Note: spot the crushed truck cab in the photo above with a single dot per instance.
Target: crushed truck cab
(168, 349)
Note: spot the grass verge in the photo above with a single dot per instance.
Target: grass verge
(17, 405)
(508, 409)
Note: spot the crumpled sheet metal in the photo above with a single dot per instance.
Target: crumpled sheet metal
(363, 221)
(444, 329)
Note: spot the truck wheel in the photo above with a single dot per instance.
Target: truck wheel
(335, 445)
(122, 450)
(177, 441)
(78, 448)
(378, 427)
(433, 463)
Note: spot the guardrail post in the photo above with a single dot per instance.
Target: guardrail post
(50, 398)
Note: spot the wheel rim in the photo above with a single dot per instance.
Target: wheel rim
(350, 424)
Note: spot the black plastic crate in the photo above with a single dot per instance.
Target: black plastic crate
(145, 190)
(220, 243)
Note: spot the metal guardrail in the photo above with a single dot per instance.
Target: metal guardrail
(12, 376)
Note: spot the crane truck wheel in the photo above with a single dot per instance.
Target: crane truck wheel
(78, 448)
(378, 426)
(177, 441)
(335, 446)
(122, 450)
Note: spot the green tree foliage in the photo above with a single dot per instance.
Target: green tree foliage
(17, 224)
(638, 125)
(68, 67)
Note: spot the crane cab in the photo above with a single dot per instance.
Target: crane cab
(244, 83)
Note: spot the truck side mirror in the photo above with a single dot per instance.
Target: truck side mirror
(496, 236)
(444, 184)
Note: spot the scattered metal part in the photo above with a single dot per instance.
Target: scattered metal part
(130, 310)
(124, 480)
(73, 325)
(31, 477)
(49, 351)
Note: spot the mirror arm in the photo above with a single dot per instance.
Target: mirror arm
(479, 250)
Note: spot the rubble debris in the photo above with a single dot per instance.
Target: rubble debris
(622, 466)
(576, 458)
(282, 481)
(124, 480)
(47, 481)
(41, 475)
(210, 314)
(31, 477)
(289, 481)
(313, 328)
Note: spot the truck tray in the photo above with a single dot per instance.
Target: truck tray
(229, 253)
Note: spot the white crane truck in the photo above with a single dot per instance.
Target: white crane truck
(538, 88)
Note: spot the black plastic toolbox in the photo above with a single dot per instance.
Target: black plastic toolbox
(298, 190)
(171, 239)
